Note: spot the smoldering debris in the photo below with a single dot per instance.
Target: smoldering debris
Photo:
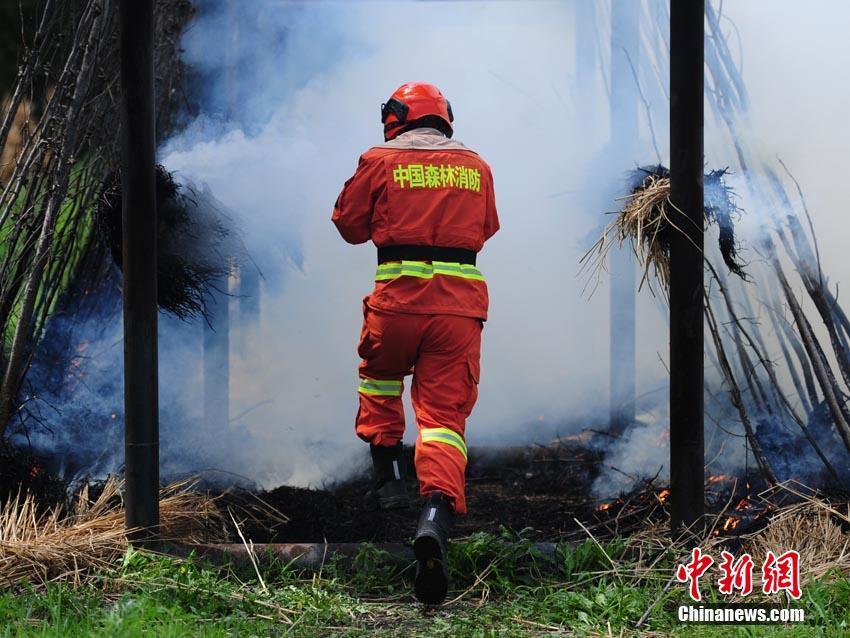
(721, 209)
(71, 402)
(197, 241)
(24, 472)
(536, 492)
(776, 418)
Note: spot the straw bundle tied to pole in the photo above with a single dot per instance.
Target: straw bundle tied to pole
(46, 546)
(642, 221)
(648, 217)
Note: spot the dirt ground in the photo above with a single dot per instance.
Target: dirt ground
(539, 490)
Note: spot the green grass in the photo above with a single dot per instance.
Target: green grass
(502, 592)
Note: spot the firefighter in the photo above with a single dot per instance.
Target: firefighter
(427, 203)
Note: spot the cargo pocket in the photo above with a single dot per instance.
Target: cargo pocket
(473, 370)
(368, 342)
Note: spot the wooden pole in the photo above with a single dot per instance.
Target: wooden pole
(687, 482)
(625, 31)
(141, 386)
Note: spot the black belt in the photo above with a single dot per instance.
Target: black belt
(426, 253)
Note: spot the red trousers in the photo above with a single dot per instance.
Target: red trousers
(443, 354)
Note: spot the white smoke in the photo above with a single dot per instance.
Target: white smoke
(289, 96)
(508, 69)
(311, 77)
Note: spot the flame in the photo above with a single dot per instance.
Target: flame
(742, 505)
(603, 506)
(662, 496)
(717, 478)
(731, 523)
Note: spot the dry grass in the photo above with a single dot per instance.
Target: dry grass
(21, 128)
(813, 527)
(642, 222)
(54, 545)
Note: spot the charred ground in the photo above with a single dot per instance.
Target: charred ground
(540, 492)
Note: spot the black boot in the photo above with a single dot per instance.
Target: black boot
(430, 547)
(389, 491)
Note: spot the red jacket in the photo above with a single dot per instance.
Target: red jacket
(422, 189)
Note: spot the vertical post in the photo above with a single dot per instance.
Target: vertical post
(686, 262)
(248, 299)
(625, 32)
(217, 299)
(587, 69)
(217, 358)
(141, 401)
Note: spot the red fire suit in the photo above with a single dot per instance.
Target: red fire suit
(423, 317)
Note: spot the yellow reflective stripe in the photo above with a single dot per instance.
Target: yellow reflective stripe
(444, 435)
(381, 388)
(406, 268)
(467, 271)
(424, 270)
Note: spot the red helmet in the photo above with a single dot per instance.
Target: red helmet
(412, 101)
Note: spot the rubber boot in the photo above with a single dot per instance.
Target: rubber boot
(389, 491)
(430, 547)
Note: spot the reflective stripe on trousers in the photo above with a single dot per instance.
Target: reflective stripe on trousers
(382, 388)
(445, 436)
(442, 352)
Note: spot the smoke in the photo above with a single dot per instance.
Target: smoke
(289, 95)
(307, 88)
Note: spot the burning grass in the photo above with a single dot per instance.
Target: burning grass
(59, 545)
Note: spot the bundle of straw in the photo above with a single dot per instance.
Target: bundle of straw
(643, 221)
(648, 220)
(69, 546)
(196, 246)
(813, 527)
